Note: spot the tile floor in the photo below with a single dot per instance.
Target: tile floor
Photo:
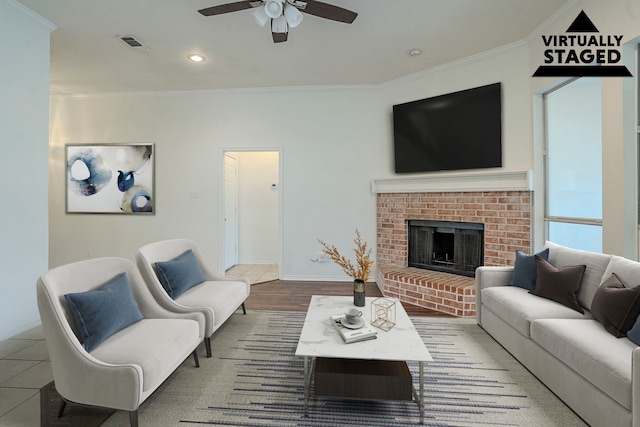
(257, 273)
(25, 368)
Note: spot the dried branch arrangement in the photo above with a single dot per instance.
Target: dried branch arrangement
(363, 258)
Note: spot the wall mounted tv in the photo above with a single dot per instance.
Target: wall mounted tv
(456, 131)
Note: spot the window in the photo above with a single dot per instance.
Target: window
(573, 164)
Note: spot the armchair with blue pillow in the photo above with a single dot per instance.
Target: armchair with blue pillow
(181, 280)
(110, 343)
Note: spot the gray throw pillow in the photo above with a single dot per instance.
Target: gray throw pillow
(616, 306)
(559, 285)
(524, 269)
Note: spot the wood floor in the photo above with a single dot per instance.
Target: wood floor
(284, 295)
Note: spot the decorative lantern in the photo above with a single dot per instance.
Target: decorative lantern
(383, 313)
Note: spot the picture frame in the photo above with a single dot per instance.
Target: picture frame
(110, 178)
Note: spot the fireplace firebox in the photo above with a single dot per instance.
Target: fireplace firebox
(447, 246)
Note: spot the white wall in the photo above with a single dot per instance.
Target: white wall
(329, 139)
(24, 116)
(507, 65)
(258, 207)
(335, 141)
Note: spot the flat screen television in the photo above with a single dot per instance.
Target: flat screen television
(456, 131)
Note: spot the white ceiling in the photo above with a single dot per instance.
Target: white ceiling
(87, 57)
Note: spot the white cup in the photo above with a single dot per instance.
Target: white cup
(352, 315)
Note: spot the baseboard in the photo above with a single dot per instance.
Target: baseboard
(315, 278)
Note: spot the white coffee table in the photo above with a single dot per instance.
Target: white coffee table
(320, 339)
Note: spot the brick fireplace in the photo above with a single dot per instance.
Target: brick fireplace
(506, 216)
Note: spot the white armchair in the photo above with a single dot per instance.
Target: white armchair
(216, 297)
(125, 368)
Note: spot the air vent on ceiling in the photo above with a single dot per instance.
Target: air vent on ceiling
(132, 42)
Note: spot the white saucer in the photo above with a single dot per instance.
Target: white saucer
(359, 324)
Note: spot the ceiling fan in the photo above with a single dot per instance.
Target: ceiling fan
(283, 14)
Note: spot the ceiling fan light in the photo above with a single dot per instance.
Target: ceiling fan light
(279, 25)
(261, 16)
(273, 8)
(293, 16)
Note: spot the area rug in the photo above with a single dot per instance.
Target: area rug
(254, 379)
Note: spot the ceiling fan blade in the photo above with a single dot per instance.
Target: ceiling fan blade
(328, 11)
(279, 37)
(229, 7)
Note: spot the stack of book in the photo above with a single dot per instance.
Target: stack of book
(349, 335)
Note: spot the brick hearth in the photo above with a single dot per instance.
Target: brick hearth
(444, 292)
(506, 216)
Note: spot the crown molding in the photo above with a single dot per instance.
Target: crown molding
(24, 9)
(247, 90)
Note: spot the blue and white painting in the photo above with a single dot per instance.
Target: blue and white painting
(113, 178)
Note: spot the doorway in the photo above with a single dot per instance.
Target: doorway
(251, 214)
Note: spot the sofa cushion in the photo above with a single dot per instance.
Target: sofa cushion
(562, 256)
(616, 306)
(524, 269)
(102, 312)
(587, 348)
(158, 346)
(517, 307)
(559, 284)
(224, 297)
(179, 274)
(628, 271)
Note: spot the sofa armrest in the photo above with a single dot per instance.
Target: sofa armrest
(493, 276)
(487, 277)
(635, 387)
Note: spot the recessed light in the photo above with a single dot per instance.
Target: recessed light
(195, 57)
(415, 52)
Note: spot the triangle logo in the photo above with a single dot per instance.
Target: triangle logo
(582, 24)
(582, 55)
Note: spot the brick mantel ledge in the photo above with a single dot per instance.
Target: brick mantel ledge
(443, 292)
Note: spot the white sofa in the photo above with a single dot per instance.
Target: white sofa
(595, 373)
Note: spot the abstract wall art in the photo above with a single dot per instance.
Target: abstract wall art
(110, 178)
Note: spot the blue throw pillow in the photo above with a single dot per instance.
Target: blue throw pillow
(179, 274)
(104, 311)
(634, 333)
(524, 269)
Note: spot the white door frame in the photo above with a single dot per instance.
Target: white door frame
(226, 258)
(221, 201)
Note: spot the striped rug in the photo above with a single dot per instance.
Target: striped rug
(254, 379)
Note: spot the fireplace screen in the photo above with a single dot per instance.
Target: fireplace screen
(452, 247)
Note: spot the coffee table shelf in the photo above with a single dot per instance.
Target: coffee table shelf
(363, 379)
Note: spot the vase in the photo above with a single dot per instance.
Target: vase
(358, 292)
